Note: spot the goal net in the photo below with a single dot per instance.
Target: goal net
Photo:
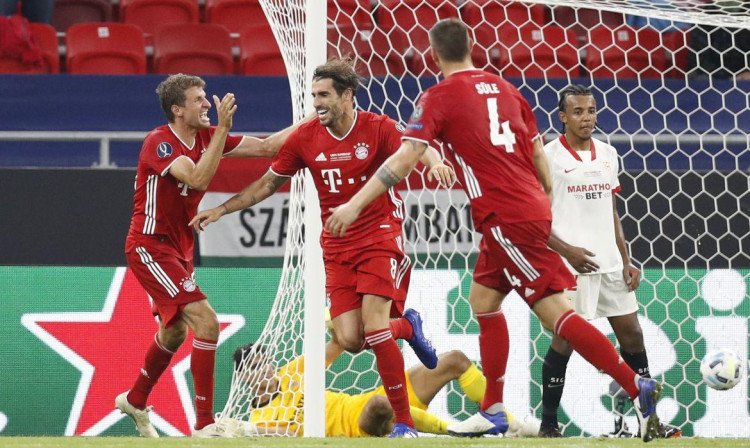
(671, 80)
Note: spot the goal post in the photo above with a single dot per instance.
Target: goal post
(671, 80)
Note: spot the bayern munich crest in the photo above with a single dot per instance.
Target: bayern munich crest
(361, 150)
(188, 284)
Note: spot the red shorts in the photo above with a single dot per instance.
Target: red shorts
(516, 256)
(381, 270)
(165, 276)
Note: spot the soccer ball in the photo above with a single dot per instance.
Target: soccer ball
(721, 369)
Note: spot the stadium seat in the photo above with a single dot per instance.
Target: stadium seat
(535, 52)
(625, 53)
(381, 54)
(46, 37)
(259, 52)
(106, 49)
(70, 12)
(487, 17)
(235, 15)
(148, 15)
(677, 47)
(195, 48)
(580, 21)
(413, 16)
(351, 12)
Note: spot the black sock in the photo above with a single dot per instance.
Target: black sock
(553, 381)
(638, 362)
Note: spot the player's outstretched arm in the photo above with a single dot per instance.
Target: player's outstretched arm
(251, 195)
(198, 176)
(393, 170)
(265, 147)
(437, 170)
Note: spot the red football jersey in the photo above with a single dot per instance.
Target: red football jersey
(162, 205)
(487, 127)
(340, 167)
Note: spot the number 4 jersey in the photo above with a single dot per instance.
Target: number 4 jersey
(487, 127)
(162, 205)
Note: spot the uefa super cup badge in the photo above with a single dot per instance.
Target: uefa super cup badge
(361, 150)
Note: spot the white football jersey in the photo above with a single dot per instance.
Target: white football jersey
(583, 183)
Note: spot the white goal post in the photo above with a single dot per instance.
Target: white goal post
(671, 86)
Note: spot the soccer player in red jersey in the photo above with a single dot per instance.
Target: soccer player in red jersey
(367, 273)
(492, 140)
(176, 164)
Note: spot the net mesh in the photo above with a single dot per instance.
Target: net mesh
(669, 79)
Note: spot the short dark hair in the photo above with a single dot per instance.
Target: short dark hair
(171, 91)
(572, 90)
(241, 353)
(341, 71)
(450, 39)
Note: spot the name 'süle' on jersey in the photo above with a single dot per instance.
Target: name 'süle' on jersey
(340, 167)
(162, 205)
(487, 127)
(583, 185)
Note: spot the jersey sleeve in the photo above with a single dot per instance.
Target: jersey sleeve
(425, 121)
(289, 158)
(231, 143)
(390, 135)
(159, 154)
(615, 172)
(528, 115)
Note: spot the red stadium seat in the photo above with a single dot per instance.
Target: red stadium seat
(677, 45)
(150, 14)
(195, 48)
(70, 12)
(106, 49)
(487, 17)
(414, 15)
(582, 20)
(535, 52)
(381, 54)
(235, 15)
(46, 38)
(351, 12)
(259, 52)
(625, 53)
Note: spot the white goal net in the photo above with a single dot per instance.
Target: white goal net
(671, 79)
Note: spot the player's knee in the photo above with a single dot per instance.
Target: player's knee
(377, 416)
(351, 342)
(172, 337)
(454, 362)
(632, 342)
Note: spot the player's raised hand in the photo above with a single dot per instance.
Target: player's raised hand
(632, 276)
(225, 109)
(442, 173)
(342, 217)
(206, 217)
(578, 257)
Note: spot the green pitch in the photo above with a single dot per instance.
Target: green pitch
(179, 442)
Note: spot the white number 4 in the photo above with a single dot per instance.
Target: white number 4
(514, 281)
(507, 138)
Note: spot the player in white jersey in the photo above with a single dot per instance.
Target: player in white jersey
(587, 232)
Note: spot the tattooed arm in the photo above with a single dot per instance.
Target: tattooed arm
(251, 195)
(395, 168)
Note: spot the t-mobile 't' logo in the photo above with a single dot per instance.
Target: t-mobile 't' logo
(332, 178)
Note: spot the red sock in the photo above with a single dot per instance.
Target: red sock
(596, 349)
(202, 367)
(391, 369)
(156, 362)
(493, 349)
(400, 329)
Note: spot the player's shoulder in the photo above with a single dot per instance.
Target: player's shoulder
(161, 133)
(553, 145)
(604, 148)
(381, 121)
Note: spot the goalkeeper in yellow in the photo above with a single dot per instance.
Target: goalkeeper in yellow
(278, 403)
